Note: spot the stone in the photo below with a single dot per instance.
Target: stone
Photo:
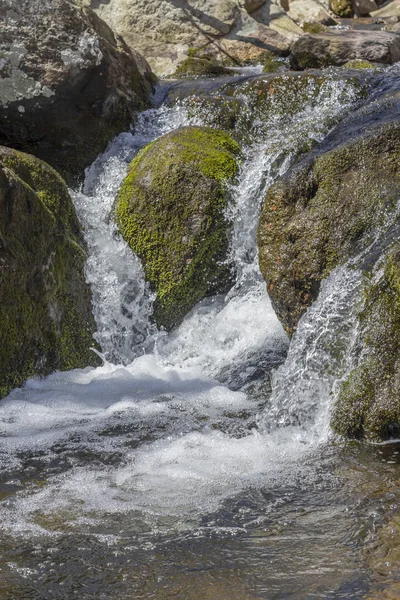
(391, 9)
(46, 320)
(67, 84)
(171, 212)
(309, 11)
(362, 8)
(368, 403)
(342, 8)
(337, 48)
(165, 31)
(313, 217)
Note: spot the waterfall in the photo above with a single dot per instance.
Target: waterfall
(172, 425)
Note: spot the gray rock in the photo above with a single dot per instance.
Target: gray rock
(253, 5)
(337, 48)
(67, 84)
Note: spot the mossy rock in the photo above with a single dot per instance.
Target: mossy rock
(46, 320)
(359, 64)
(342, 8)
(369, 401)
(314, 217)
(171, 211)
(194, 66)
(314, 27)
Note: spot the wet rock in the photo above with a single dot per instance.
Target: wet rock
(171, 211)
(314, 216)
(369, 401)
(363, 8)
(337, 48)
(46, 320)
(164, 31)
(67, 84)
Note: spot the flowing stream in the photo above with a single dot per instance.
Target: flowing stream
(200, 463)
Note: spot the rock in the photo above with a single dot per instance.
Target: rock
(286, 27)
(368, 404)
(363, 8)
(337, 48)
(170, 211)
(309, 11)
(67, 84)
(390, 9)
(313, 217)
(201, 67)
(253, 5)
(342, 8)
(46, 320)
(165, 31)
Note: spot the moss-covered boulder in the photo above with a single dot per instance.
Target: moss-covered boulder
(369, 401)
(171, 212)
(342, 8)
(315, 216)
(46, 321)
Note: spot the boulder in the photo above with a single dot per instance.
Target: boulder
(338, 47)
(165, 31)
(390, 9)
(171, 211)
(309, 11)
(369, 400)
(67, 84)
(362, 8)
(46, 320)
(253, 5)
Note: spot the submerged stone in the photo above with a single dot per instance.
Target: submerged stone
(171, 212)
(46, 320)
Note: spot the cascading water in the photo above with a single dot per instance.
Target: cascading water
(171, 426)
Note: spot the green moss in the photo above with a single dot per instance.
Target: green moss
(358, 64)
(314, 28)
(45, 304)
(342, 8)
(170, 210)
(194, 66)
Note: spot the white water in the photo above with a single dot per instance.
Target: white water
(153, 434)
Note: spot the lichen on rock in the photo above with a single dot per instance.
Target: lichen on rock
(46, 320)
(171, 211)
